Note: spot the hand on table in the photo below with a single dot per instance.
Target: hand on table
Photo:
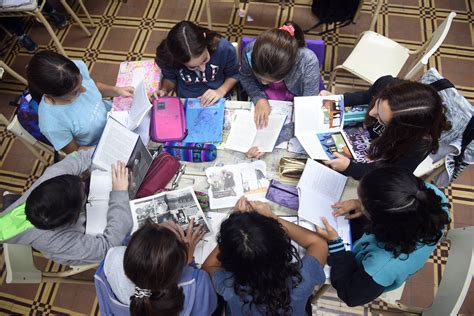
(262, 111)
(210, 97)
(254, 153)
(119, 177)
(350, 209)
(339, 163)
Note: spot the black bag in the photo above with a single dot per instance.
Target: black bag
(340, 12)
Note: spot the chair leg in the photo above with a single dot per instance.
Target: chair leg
(320, 292)
(66, 280)
(43, 20)
(81, 3)
(75, 17)
(332, 77)
(13, 73)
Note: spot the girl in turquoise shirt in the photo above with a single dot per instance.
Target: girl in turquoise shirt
(72, 113)
(404, 218)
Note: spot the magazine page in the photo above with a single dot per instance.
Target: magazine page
(116, 143)
(359, 139)
(209, 242)
(228, 183)
(138, 165)
(96, 216)
(179, 206)
(242, 132)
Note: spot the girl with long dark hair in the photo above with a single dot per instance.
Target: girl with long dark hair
(197, 63)
(156, 275)
(256, 268)
(405, 120)
(404, 219)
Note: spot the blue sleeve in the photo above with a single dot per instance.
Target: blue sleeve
(312, 274)
(231, 68)
(82, 68)
(223, 284)
(206, 298)
(247, 78)
(170, 74)
(56, 132)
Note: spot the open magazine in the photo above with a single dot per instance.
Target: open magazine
(228, 183)
(319, 126)
(179, 206)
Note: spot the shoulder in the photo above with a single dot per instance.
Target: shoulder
(312, 271)
(82, 68)
(114, 255)
(223, 283)
(306, 55)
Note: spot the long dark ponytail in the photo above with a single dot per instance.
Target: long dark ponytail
(154, 261)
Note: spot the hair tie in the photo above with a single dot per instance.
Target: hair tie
(402, 207)
(289, 28)
(141, 293)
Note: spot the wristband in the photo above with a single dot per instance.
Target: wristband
(336, 245)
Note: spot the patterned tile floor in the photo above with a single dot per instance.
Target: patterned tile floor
(132, 30)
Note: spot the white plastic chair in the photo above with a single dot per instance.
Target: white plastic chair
(33, 145)
(375, 55)
(454, 283)
(21, 268)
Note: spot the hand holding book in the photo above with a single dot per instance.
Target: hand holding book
(339, 163)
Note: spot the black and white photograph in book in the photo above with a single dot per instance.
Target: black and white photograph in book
(179, 206)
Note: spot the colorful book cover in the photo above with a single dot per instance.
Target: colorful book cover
(204, 123)
(354, 114)
(359, 139)
(130, 74)
(334, 142)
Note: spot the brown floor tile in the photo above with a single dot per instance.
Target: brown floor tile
(221, 12)
(451, 5)
(168, 10)
(467, 307)
(304, 17)
(84, 299)
(119, 39)
(422, 295)
(459, 75)
(96, 7)
(408, 28)
(425, 276)
(155, 39)
(458, 34)
(135, 8)
(362, 24)
(463, 213)
(27, 291)
(467, 176)
(77, 38)
(263, 15)
(20, 63)
(105, 72)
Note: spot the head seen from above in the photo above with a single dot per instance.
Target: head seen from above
(410, 112)
(154, 261)
(54, 76)
(258, 253)
(56, 202)
(187, 44)
(401, 209)
(275, 51)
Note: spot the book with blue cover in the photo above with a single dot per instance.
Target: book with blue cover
(204, 123)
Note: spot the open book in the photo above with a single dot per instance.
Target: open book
(244, 133)
(98, 201)
(318, 126)
(319, 188)
(179, 206)
(119, 143)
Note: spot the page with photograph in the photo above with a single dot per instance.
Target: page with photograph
(228, 183)
(138, 164)
(116, 143)
(209, 242)
(179, 206)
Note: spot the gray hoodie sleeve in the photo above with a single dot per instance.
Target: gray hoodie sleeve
(309, 66)
(247, 78)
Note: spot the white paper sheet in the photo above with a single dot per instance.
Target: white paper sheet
(140, 107)
(319, 188)
(244, 134)
(116, 143)
(100, 185)
(96, 216)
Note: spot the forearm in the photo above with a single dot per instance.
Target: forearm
(228, 84)
(212, 264)
(353, 285)
(107, 90)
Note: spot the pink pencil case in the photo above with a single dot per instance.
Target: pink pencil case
(168, 122)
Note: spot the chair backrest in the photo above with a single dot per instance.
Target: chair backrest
(432, 45)
(18, 130)
(317, 46)
(457, 274)
(19, 264)
(108, 302)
